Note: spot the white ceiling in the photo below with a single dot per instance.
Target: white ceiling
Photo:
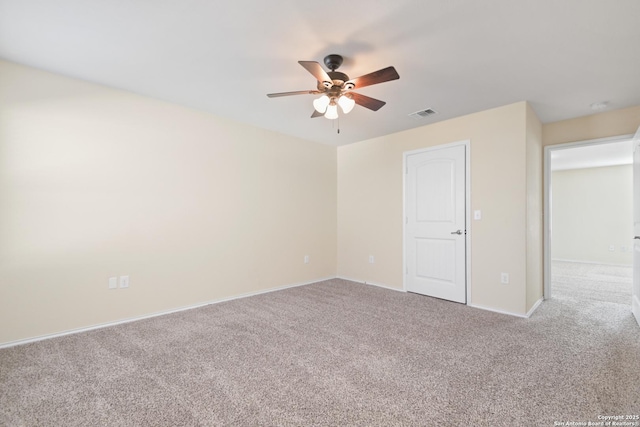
(457, 57)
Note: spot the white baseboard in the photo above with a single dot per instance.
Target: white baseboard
(534, 308)
(524, 316)
(366, 282)
(156, 314)
(495, 310)
(636, 308)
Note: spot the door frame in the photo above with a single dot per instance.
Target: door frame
(467, 239)
(547, 199)
(635, 286)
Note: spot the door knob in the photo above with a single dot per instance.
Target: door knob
(459, 232)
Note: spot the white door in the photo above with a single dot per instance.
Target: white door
(435, 223)
(635, 303)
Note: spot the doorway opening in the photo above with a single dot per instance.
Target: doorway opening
(589, 221)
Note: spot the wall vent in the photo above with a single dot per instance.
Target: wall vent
(423, 113)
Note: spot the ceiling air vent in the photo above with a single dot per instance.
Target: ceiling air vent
(423, 113)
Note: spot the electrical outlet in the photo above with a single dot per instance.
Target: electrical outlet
(504, 278)
(124, 281)
(113, 282)
(371, 259)
(306, 259)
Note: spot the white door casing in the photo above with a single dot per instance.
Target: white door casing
(635, 297)
(435, 237)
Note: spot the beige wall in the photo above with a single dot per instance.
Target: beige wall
(96, 182)
(612, 123)
(593, 209)
(370, 202)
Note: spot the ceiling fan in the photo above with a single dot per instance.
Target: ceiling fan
(336, 88)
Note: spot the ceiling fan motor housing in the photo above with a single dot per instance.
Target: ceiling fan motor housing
(333, 61)
(337, 80)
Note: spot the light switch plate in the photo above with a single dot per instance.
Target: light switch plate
(477, 215)
(124, 281)
(113, 282)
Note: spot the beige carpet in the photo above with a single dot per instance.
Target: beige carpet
(591, 282)
(334, 353)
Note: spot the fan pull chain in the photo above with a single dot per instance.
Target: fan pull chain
(333, 123)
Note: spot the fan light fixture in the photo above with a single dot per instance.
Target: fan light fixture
(328, 106)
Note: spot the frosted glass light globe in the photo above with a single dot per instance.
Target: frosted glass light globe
(332, 112)
(346, 103)
(321, 103)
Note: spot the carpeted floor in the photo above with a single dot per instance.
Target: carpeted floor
(591, 282)
(335, 353)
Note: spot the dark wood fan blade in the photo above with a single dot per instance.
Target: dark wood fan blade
(367, 102)
(316, 70)
(299, 92)
(380, 76)
(316, 114)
